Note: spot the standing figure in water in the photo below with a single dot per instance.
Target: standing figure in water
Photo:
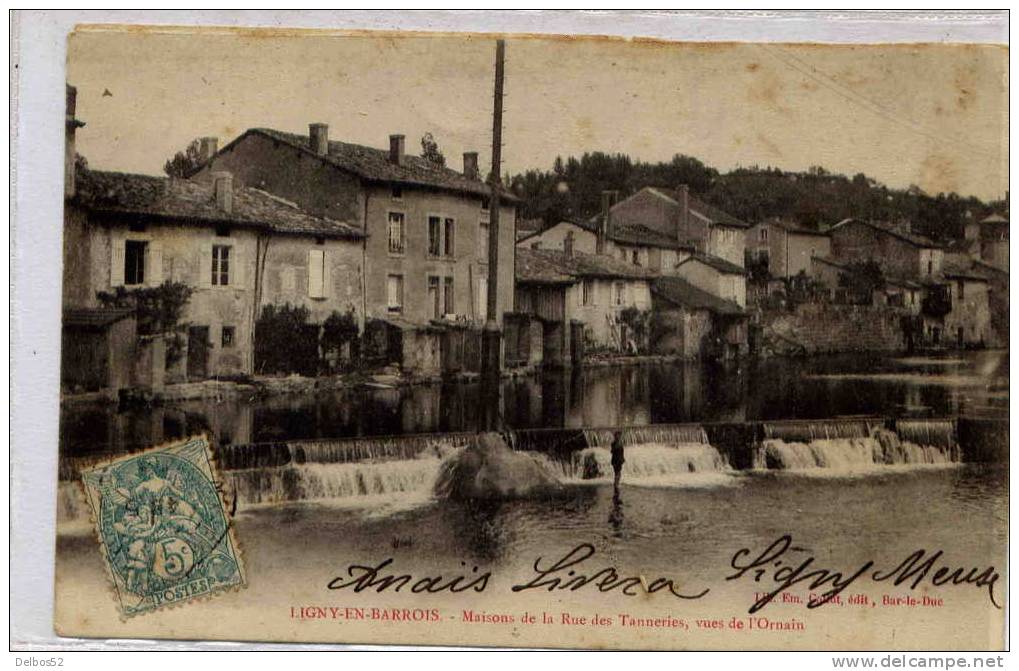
(617, 462)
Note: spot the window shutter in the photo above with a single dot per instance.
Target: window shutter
(117, 260)
(154, 264)
(327, 275)
(205, 265)
(315, 273)
(237, 267)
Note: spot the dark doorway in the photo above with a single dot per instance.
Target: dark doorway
(198, 352)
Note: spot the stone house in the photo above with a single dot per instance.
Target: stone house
(895, 247)
(898, 292)
(563, 288)
(604, 234)
(787, 248)
(425, 251)
(955, 307)
(718, 277)
(989, 238)
(695, 324)
(968, 322)
(233, 246)
(681, 216)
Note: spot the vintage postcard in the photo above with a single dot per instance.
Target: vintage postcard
(533, 341)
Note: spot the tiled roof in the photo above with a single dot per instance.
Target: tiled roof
(554, 266)
(706, 210)
(187, 200)
(890, 279)
(374, 165)
(889, 229)
(794, 228)
(679, 292)
(960, 246)
(719, 264)
(95, 317)
(631, 234)
(966, 271)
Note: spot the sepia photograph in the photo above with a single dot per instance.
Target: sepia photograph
(532, 341)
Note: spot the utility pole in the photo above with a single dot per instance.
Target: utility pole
(491, 350)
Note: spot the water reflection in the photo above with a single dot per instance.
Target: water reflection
(973, 383)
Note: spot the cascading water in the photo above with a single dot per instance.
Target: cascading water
(857, 444)
(655, 454)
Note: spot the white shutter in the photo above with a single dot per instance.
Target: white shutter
(117, 259)
(154, 264)
(205, 265)
(327, 275)
(237, 267)
(315, 273)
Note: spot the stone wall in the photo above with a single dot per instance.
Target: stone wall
(822, 328)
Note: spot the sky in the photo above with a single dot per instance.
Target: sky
(931, 115)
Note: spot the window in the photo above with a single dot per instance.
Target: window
(587, 292)
(394, 293)
(220, 265)
(433, 296)
(434, 236)
(396, 233)
(449, 237)
(222, 231)
(481, 298)
(318, 273)
(448, 302)
(397, 192)
(227, 336)
(636, 258)
(620, 293)
(764, 234)
(483, 241)
(134, 261)
(441, 240)
(930, 267)
(484, 203)
(962, 290)
(137, 227)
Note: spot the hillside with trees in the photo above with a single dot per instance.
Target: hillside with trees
(572, 190)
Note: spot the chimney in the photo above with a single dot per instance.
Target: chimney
(208, 146)
(71, 126)
(318, 138)
(683, 222)
(605, 223)
(223, 188)
(396, 149)
(568, 244)
(471, 165)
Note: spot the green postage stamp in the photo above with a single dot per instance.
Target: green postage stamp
(162, 527)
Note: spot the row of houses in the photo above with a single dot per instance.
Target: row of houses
(399, 247)
(272, 219)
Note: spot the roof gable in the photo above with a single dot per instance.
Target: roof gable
(715, 262)
(191, 201)
(373, 165)
(677, 291)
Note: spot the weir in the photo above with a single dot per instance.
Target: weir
(408, 466)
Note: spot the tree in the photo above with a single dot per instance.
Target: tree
(185, 163)
(430, 150)
(862, 279)
(158, 310)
